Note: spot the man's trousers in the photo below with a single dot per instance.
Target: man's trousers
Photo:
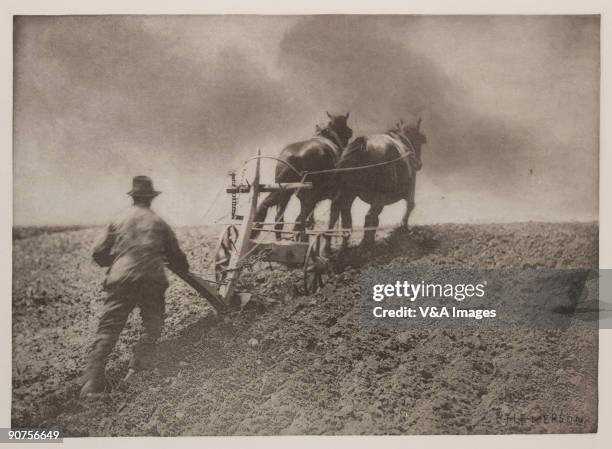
(149, 298)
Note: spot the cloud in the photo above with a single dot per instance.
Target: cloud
(381, 70)
(509, 106)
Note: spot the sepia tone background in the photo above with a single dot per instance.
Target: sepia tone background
(497, 186)
(509, 106)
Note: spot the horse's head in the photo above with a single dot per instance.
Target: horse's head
(337, 123)
(412, 132)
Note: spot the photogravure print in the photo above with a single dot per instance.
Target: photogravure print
(265, 225)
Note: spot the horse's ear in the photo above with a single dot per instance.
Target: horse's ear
(401, 122)
(419, 123)
(347, 115)
(328, 114)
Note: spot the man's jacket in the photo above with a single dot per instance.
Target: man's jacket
(135, 246)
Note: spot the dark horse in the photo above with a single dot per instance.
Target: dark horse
(395, 158)
(321, 152)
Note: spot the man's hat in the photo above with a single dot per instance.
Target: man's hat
(143, 186)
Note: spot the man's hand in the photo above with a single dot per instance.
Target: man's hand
(102, 251)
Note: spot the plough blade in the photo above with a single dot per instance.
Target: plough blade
(244, 298)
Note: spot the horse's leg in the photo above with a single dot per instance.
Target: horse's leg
(285, 196)
(409, 203)
(334, 213)
(310, 222)
(347, 219)
(262, 210)
(307, 204)
(371, 221)
(340, 207)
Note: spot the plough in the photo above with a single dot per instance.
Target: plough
(236, 250)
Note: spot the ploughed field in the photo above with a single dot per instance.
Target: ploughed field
(307, 365)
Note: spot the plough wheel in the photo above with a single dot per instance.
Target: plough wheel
(316, 267)
(226, 247)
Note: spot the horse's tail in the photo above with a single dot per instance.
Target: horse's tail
(352, 152)
(350, 157)
(288, 169)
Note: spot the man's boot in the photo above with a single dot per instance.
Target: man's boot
(144, 356)
(95, 382)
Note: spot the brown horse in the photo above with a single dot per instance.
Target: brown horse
(393, 159)
(321, 152)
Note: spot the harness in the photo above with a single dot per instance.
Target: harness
(333, 137)
(407, 147)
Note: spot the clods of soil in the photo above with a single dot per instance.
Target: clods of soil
(306, 365)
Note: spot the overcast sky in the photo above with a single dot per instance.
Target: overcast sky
(510, 107)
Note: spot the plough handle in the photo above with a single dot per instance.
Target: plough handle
(204, 289)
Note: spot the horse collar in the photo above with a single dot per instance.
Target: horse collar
(412, 157)
(404, 139)
(332, 135)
